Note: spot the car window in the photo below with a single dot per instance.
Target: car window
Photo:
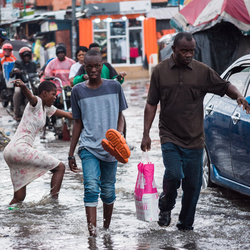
(246, 69)
(248, 91)
(239, 80)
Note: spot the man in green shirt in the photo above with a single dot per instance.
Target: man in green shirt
(108, 72)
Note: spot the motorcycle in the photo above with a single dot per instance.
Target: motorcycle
(6, 94)
(32, 81)
(7, 97)
(61, 126)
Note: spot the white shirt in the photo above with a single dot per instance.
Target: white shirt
(74, 69)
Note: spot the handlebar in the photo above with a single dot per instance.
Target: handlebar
(30, 75)
(53, 78)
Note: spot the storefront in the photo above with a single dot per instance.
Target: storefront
(52, 32)
(123, 33)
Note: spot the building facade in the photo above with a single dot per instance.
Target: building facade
(125, 36)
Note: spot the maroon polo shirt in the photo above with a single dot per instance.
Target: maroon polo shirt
(181, 92)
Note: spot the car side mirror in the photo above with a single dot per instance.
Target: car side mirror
(248, 99)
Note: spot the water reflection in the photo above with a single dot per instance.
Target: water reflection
(102, 242)
(92, 243)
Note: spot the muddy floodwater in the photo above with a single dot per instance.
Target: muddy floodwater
(222, 219)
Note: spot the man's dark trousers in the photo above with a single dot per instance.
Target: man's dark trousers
(181, 165)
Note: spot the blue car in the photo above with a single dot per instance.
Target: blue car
(227, 134)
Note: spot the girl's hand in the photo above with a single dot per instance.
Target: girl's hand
(85, 77)
(70, 116)
(18, 83)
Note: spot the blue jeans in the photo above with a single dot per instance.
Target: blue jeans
(99, 177)
(186, 165)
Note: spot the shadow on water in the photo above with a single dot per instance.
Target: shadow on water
(233, 196)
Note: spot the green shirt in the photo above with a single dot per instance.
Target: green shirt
(108, 72)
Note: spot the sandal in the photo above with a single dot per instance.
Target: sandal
(116, 145)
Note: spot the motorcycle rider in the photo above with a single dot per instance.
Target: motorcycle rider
(60, 67)
(4, 140)
(7, 62)
(3, 37)
(21, 67)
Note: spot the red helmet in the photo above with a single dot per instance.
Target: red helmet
(5, 47)
(25, 50)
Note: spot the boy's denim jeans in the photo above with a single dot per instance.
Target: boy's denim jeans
(186, 165)
(99, 177)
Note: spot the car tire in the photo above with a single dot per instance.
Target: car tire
(206, 181)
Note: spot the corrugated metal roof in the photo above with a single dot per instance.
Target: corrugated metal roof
(58, 15)
(163, 13)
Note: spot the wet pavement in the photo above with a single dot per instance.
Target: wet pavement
(222, 219)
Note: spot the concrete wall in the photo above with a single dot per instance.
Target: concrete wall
(133, 72)
(57, 5)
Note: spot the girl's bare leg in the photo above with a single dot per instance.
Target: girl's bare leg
(56, 180)
(43, 135)
(19, 196)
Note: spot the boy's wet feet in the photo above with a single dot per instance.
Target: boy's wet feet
(164, 219)
(181, 226)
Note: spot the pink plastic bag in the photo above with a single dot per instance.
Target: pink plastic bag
(146, 196)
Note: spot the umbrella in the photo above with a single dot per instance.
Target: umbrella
(203, 14)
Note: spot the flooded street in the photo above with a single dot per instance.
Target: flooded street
(222, 218)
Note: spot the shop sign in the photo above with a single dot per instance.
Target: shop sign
(9, 14)
(45, 26)
(102, 9)
(49, 26)
(135, 7)
(53, 26)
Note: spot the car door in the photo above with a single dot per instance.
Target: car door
(217, 124)
(240, 140)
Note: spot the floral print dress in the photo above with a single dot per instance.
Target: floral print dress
(25, 162)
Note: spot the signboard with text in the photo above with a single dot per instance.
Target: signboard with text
(135, 7)
(9, 14)
(121, 8)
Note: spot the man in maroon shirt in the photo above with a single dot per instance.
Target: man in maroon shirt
(180, 84)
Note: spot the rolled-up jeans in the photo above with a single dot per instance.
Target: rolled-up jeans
(99, 177)
(181, 165)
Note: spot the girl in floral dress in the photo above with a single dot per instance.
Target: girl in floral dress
(25, 162)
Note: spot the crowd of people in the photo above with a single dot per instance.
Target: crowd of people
(57, 65)
(178, 83)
